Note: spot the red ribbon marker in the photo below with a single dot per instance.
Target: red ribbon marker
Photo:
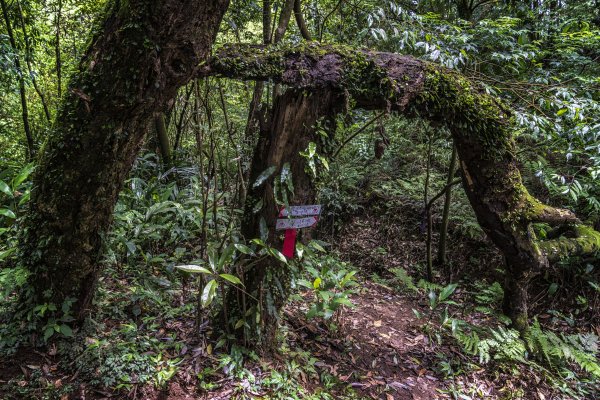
(291, 225)
(289, 243)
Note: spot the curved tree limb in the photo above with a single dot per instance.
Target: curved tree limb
(481, 126)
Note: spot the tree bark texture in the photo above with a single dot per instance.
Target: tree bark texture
(292, 127)
(141, 52)
(481, 127)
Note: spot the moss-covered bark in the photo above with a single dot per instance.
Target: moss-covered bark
(141, 52)
(480, 125)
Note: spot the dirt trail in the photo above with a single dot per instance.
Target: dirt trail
(378, 348)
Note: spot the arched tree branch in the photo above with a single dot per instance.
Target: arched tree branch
(481, 126)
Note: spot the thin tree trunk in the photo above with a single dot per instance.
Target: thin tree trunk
(121, 83)
(28, 54)
(266, 21)
(163, 138)
(22, 93)
(441, 256)
(427, 209)
(179, 124)
(57, 57)
(300, 20)
(284, 20)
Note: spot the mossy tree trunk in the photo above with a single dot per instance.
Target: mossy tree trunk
(481, 127)
(292, 126)
(141, 52)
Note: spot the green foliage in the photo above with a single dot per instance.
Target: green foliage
(553, 354)
(128, 355)
(330, 281)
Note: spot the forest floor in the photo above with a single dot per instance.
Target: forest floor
(389, 345)
(378, 351)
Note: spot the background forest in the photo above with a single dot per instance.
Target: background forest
(397, 293)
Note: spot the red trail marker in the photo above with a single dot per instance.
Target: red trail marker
(310, 218)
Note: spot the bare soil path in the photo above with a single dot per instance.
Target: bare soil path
(378, 348)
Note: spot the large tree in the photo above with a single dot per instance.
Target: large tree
(140, 53)
(481, 127)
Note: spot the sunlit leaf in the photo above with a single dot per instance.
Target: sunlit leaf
(232, 279)
(209, 292)
(244, 249)
(193, 269)
(266, 174)
(7, 213)
(5, 189)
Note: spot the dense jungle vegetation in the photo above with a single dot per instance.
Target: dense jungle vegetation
(148, 148)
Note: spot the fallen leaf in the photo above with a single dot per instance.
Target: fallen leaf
(377, 323)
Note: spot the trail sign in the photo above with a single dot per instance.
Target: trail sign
(310, 217)
(295, 223)
(300, 211)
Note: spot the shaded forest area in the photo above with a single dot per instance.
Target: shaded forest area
(149, 149)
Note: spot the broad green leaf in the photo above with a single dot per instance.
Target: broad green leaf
(7, 213)
(312, 149)
(239, 324)
(66, 330)
(193, 269)
(312, 312)
(6, 253)
(561, 111)
(317, 283)
(447, 291)
(209, 292)
(347, 278)
(324, 162)
(344, 301)
(266, 174)
(25, 198)
(23, 174)
(5, 189)
(48, 332)
(244, 249)
(277, 254)
(432, 299)
(259, 242)
(258, 206)
(305, 283)
(131, 247)
(226, 256)
(212, 260)
(231, 278)
(325, 295)
(315, 245)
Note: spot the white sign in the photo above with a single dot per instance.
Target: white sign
(296, 223)
(301, 211)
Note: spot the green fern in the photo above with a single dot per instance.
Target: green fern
(555, 349)
(402, 277)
